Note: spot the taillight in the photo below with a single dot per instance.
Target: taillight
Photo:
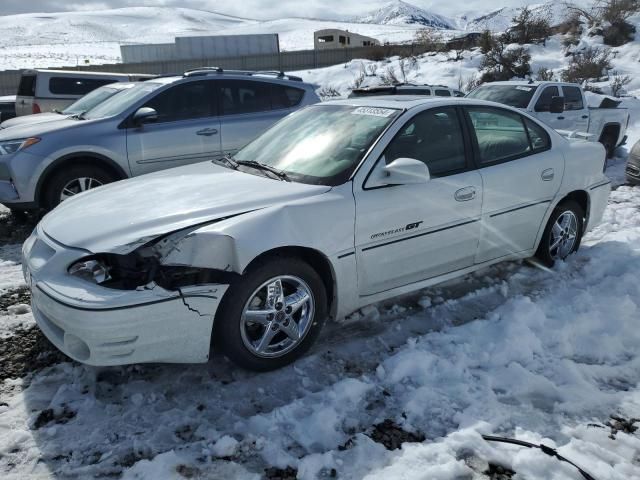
(35, 108)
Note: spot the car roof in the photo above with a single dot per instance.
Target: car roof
(408, 102)
(529, 83)
(230, 75)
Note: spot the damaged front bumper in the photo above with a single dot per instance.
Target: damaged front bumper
(101, 326)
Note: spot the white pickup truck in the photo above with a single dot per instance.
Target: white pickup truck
(563, 106)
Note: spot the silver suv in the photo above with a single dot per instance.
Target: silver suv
(162, 123)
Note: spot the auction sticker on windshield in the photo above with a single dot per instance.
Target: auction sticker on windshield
(376, 112)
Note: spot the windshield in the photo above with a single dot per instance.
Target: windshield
(517, 96)
(321, 144)
(90, 100)
(117, 104)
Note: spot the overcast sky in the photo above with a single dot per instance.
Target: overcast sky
(261, 9)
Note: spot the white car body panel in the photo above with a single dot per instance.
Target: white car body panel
(377, 243)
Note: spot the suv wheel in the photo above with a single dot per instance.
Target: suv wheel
(562, 234)
(272, 315)
(71, 181)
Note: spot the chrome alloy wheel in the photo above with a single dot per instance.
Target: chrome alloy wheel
(277, 316)
(78, 185)
(564, 235)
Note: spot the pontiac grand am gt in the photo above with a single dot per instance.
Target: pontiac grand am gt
(337, 206)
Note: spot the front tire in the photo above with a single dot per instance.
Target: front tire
(272, 315)
(71, 181)
(563, 233)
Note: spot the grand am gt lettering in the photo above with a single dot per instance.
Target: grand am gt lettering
(251, 254)
(409, 226)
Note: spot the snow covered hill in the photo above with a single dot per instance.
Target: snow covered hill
(403, 13)
(501, 19)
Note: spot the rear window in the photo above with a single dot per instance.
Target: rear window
(517, 96)
(285, 97)
(443, 93)
(76, 85)
(27, 87)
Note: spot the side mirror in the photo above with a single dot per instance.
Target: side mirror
(557, 105)
(404, 171)
(144, 115)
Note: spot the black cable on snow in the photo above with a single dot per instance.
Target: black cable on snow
(552, 452)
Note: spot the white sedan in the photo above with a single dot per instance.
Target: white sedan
(337, 206)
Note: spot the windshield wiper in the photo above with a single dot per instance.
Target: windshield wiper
(262, 166)
(227, 160)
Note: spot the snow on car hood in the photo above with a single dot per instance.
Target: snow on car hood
(120, 216)
(33, 119)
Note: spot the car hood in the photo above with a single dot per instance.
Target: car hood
(33, 119)
(124, 215)
(27, 130)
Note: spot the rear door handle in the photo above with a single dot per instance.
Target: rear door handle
(547, 175)
(465, 194)
(560, 118)
(207, 132)
(585, 116)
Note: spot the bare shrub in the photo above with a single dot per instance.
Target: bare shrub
(372, 68)
(609, 18)
(358, 80)
(502, 63)
(389, 76)
(545, 74)
(487, 41)
(469, 83)
(328, 92)
(618, 83)
(529, 27)
(590, 63)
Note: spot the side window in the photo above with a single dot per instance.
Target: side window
(544, 102)
(539, 138)
(501, 134)
(244, 96)
(75, 85)
(27, 87)
(183, 102)
(572, 98)
(433, 137)
(285, 97)
(443, 93)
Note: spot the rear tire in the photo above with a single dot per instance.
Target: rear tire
(257, 323)
(563, 233)
(609, 143)
(73, 180)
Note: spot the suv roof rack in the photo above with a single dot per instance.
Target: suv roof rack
(218, 70)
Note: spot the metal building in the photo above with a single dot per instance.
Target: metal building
(335, 38)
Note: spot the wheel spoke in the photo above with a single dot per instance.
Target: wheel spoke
(258, 316)
(296, 300)
(556, 243)
(556, 230)
(265, 341)
(291, 330)
(274, 294)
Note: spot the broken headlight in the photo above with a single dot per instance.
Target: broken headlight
(91, 269)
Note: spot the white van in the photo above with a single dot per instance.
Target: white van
(48, 90)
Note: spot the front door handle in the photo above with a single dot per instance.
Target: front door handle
(547, 175)
(585, 116)
(560, 118)
(465, 194)
(207, 132)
